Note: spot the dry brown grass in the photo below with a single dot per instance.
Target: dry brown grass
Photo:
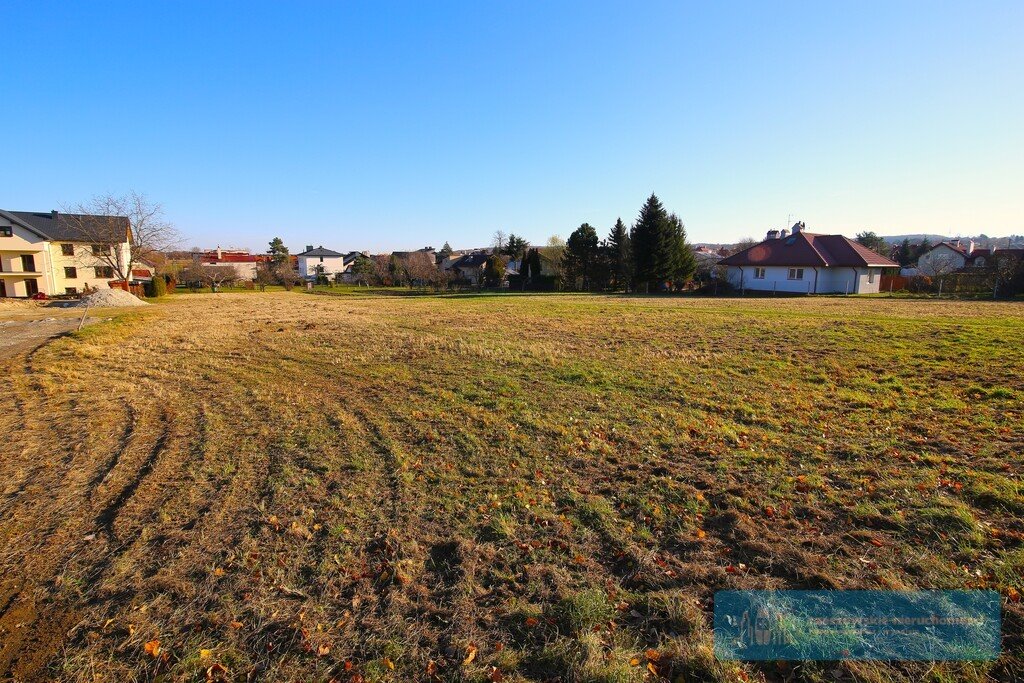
(306, 488)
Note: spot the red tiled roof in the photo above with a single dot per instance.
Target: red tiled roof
(235, 258)
(809, 249)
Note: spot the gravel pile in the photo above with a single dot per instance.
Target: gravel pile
(110, 298)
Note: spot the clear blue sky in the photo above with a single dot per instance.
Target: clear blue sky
(385, 125)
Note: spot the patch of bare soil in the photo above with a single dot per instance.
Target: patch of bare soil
(18, 336)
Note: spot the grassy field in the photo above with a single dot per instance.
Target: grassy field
(359, 488)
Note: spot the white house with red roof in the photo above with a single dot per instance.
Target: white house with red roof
(951, 256)
(801, 262)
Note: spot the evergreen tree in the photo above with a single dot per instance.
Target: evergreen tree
(580, 260)
(494, 270)
(278, 252)
(683, 262)
(516, 246)
(905, 254)
(446, 251)
(531, 264)
(653, 244)
(620, 265)
(923, 248)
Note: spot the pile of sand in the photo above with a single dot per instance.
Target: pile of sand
(109, 298)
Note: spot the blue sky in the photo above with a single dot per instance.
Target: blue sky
(385, 125)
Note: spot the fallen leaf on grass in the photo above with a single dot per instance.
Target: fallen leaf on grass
(532, 621)
(652, 655)
(389, 664)
(875, 542)
(205, 654)
(217, 672)
(495, 675)
(470, 654)
(236, 624)
(1012, 594)
(152, 648)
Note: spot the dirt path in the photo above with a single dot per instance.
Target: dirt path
(21, 336)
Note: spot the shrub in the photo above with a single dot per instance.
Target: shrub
(156, 287)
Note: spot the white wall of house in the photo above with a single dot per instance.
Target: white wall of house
(829, 280)
(332, 264)
(941, 260)
(15, 276)
(771, 279)
(72, 273)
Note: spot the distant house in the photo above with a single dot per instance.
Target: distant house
(951, 256)
(806, 263)
(323, 261)
(54, 253)
(468, 267)
(241, 260)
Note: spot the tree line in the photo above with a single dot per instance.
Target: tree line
(653, 255)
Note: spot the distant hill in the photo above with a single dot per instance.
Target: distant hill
(917, 237)
(979, 240)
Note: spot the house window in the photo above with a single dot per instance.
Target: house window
(104, 271)
(758, 273)
(67, 249)
(28, 263)
(71, 290)
(321, 259)
(100, 249)
(32, 287)
(6, 231)
(871, 276)
(70, 273)
(796, 273)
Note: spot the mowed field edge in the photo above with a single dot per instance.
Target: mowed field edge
(295, 487)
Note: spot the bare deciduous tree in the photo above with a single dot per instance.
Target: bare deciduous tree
(124, 230)
(265, 275)
(498, 241)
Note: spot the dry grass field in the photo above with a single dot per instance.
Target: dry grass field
(287, 487)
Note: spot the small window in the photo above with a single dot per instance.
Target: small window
(321, 259)
(71, 290)
(796, 273)
(67, 249)
(28, 263)
(71, 273)
(104, 271)
(758, 273)
(871, 276)
(100, 249)
(6, 231)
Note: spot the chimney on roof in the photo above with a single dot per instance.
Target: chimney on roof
(798, 226)
(969, 247)
(773, 234)
(220, 254)
(53, 214)
(309, 247)
(783, 234)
